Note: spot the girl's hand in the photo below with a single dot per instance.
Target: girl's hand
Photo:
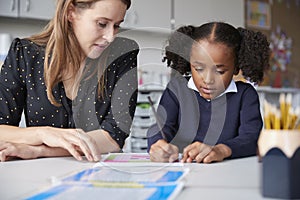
(200, 152)
(75, 141)
(10, 150)
(161, 151)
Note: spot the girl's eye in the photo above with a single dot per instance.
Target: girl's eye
(198, 68)
(220, 72)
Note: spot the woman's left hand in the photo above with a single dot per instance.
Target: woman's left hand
(200, 152)
(10, 151)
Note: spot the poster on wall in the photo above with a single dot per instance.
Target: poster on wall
(258, 14)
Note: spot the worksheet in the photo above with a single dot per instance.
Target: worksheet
(104, 181)
(164, 191)
(129, 175)
(132, 159)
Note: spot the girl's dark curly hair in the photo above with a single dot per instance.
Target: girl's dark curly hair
(250, 49)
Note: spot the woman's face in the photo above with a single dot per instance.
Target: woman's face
(212, 66)
(97, 26)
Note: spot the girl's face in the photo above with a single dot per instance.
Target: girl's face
(212, 66)
(97, 26)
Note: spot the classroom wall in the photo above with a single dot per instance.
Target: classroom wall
(151, 43)
(20, 28)
(286, 15)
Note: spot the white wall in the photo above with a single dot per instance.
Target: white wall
(151, 43)
(151, 68)
(20, 28)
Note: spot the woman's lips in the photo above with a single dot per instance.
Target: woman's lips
(101, 46)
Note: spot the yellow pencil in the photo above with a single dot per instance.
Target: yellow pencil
(267, 115)
(282, 102)
(297, 120)
(277, 120)
(116, 184)
(289, 120)
(273, 110)
(287, 114)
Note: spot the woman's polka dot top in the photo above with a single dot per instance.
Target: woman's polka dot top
(22, 87)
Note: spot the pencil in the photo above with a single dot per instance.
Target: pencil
(282, 103)
(297, 119)
(267, 115)
(157, 118)
(287, 113)
(277, 120)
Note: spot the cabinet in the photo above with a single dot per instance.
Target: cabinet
(157, 14)
(197, 12)
(143, 119)
(9, 8)
(32, 9)
(37, 9)
(145, 14)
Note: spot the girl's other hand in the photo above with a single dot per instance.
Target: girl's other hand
(200, 152)
(161, 151)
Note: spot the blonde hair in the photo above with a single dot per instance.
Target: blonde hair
(62, 52)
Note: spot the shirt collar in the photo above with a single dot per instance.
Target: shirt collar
(231, 87)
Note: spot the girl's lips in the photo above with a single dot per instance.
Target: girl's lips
(207, 90)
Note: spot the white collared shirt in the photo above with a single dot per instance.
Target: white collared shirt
(231, 87)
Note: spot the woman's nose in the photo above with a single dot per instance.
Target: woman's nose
(109, 34)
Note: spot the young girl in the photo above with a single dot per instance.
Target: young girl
(64, 80)
(210, 117)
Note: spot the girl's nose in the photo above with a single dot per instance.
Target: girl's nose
(208, 78)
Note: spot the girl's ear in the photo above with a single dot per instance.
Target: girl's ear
(236, 71)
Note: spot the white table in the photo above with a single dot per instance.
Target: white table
(232, 179)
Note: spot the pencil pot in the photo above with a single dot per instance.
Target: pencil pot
(280, 155)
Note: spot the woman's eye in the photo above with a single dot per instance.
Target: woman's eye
(116, 26)
(102, 25)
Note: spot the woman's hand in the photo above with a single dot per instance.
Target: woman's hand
(161, 151)
(75, 141)
(200, 152)
(10, 151)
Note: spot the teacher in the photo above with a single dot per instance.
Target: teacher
(76, 83)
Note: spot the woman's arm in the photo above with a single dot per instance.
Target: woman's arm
(11, 151)
(32, 146)
(104, 142)
(75, 141)
(120, 99)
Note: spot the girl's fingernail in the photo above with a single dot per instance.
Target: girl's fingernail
(97, 158)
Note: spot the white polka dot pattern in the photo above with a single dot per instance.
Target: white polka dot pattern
(22, 87)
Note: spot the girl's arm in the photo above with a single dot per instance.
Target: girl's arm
(245, 143)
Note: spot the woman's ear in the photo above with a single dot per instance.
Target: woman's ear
(71, 13)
